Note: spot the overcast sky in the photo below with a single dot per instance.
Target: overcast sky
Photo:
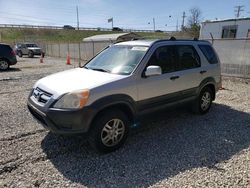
(136, 14)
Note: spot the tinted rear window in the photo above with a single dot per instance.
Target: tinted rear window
(209, 53)
(5, 48)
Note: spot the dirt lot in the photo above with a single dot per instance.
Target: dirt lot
(172, 148)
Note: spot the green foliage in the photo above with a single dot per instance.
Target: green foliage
(193, 30)
(12, 35)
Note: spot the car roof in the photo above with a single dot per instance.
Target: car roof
(137, 43)
(3, 44)
(151, 42)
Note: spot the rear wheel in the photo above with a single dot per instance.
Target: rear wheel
(204, 101)
(30, 54)
(109, 131)
(4, 65)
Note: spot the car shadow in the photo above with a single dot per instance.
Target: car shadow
(166, 143)
(12, 69)
(26, 57)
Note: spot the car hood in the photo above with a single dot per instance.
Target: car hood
(34, 48)
(75, 79)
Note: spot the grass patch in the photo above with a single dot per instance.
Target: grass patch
(13, 35)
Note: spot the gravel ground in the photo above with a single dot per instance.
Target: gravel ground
(172, 148)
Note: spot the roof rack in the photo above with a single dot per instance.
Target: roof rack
(172, 38)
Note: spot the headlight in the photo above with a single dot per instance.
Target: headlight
(73, 100)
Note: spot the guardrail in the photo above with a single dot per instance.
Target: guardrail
(61, 27)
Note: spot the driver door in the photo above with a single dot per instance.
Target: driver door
(156, 90)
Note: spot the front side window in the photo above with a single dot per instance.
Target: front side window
(164, 57)
(187, 57)
(31, 45)
(118, 59)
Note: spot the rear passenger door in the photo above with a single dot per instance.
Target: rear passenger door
(188, 69)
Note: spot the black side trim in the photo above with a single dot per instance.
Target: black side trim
(161, 101)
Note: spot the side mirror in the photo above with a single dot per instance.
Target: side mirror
(153, 70)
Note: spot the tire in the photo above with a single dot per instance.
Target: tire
(109, 131)
(203, 103)
(20, 54)
(4, 65)
(30, 54)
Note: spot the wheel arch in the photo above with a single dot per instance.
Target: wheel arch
(122, 102)
(208, 82)
(6, 59)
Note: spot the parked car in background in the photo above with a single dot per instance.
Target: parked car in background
(123, 83)
(30, 49)
(116, 29)
(68, 27)
(7, 56)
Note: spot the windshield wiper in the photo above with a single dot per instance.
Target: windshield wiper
(99, 69)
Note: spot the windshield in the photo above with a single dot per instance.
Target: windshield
(118, 59)
(31, 45)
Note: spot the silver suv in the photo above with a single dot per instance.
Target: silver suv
(105, 97)
(29, 49)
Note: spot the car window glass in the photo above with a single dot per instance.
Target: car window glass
(163, 57)
(187, 57)
(209, 53)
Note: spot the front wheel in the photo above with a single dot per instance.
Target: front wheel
(204, 101)
(20, 54)
(109, 131)
(30, 54)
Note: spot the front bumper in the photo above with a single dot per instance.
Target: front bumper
(62, 121)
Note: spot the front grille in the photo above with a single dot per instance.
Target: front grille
(41, 96)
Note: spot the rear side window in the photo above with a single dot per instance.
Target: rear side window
(5, 48)
(187, 57)
(209, 54)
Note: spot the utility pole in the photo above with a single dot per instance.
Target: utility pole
(238, 9)
(154, 23)
(177, 25)
(183, 20)
(77, 17)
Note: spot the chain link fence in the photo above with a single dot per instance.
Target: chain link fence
(234, 54)
(82, 51)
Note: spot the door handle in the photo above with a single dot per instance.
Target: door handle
(203, 71)
(174, 77)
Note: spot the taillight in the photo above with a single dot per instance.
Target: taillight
(13, 53)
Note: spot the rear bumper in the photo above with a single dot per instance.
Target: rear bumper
(62, 121)
(13, 61)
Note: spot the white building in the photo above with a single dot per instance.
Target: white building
(228, 29)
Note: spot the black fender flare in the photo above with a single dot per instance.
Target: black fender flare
(205, 82)
(116, 100)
